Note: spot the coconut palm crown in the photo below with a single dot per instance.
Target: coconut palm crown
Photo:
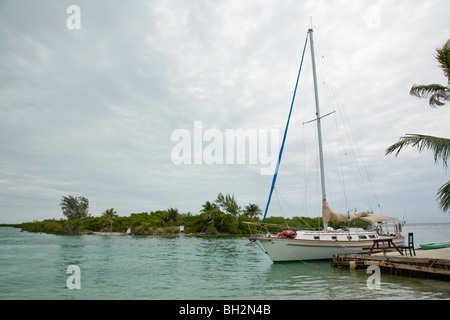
(438, 95)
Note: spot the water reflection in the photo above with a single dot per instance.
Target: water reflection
(318, 280)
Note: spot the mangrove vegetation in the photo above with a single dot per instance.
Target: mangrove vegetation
(219, 217)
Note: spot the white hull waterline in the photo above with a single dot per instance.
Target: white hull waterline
(306, 246)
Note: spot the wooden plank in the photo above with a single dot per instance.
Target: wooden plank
(411, 260)
(417, 268)
(410, 266)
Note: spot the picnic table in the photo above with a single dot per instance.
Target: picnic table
(383, 244)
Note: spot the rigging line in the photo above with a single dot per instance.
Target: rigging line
(309, 177)
(332, 100)
(341, 151)
(306, 172)
(278, 193)
(285, 133)
(358, 159)
(348, 134)
(290, 252)
(281, 209)
(339, 166)
(311, 169)
(339, 175)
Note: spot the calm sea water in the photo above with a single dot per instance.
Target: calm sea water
(33, 266)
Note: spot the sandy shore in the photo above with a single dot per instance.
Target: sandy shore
(108, 233)
(95, 233)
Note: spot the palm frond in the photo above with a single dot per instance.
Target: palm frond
(443, 56)
(440, 146)
(435, 99)
(424, 91)
(443, 196)
(436, 93)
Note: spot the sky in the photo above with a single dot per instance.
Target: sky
(130, 104)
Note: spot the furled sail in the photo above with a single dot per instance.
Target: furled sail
(378, 218)
(329, 214)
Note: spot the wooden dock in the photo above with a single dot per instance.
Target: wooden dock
(432, 264)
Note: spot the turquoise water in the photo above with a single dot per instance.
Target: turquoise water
(33, 266)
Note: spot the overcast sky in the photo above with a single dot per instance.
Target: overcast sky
(92, 111)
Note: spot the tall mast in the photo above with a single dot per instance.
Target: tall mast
(319, 128)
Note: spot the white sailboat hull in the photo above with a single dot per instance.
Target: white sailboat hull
(284, 249)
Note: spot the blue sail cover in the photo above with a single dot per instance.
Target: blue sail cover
(285, 134)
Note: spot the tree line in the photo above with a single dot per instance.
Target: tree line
(221, 216)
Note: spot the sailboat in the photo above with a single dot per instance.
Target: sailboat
(300, 245)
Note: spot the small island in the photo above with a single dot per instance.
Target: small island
(222, 216)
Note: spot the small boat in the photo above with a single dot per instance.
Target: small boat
(436, 245)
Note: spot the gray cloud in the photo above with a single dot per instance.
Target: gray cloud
(90, 112)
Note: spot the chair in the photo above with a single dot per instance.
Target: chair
(410, 244)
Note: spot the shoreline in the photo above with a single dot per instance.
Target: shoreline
(105, 233)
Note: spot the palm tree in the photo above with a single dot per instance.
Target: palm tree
(209, 206)
(437, 94)
(228, 203)
(171, 214)
(251, 211)
(109, 216)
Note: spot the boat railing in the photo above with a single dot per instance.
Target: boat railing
(268, 229)
(388, 227)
